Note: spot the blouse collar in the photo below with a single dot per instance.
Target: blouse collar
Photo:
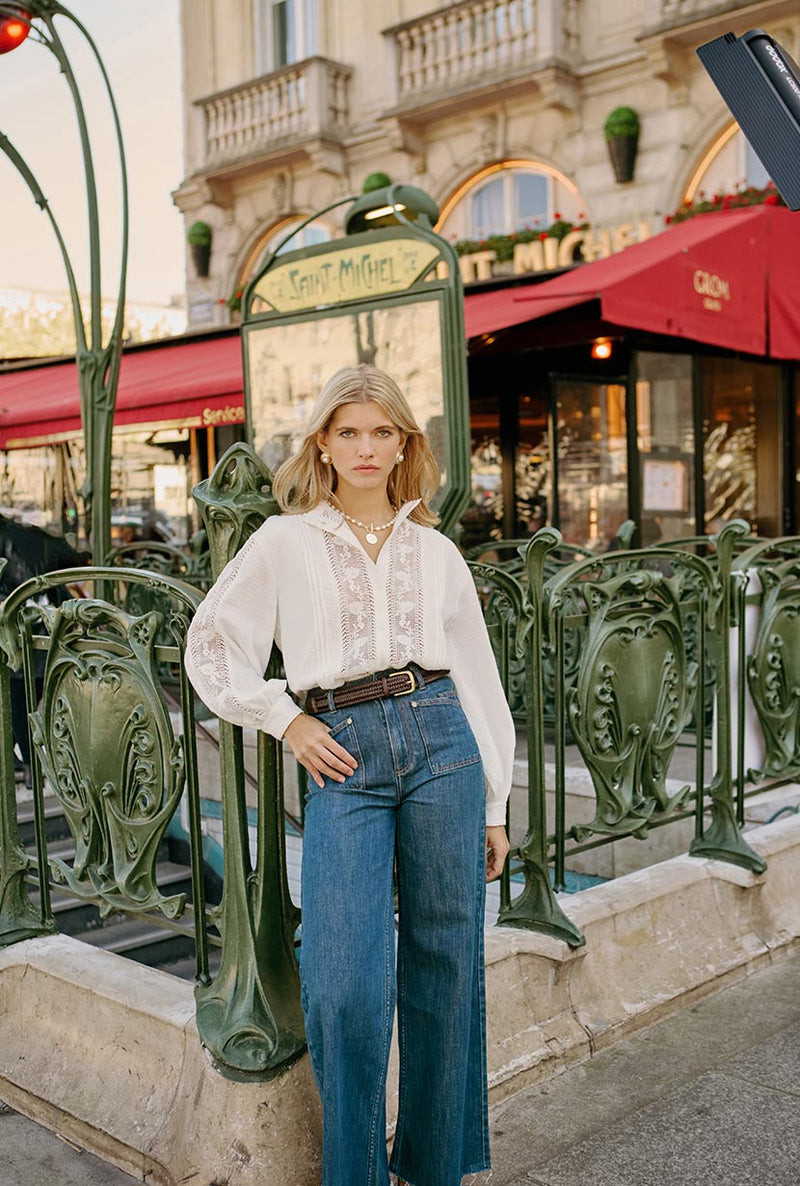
(329, 518)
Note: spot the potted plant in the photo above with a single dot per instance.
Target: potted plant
(622, 137)
(199, 239)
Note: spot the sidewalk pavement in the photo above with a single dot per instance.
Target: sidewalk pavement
(709, 1096)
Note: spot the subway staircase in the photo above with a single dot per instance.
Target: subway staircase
(131, 936)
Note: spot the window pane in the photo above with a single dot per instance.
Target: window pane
(534, 470)
(283, 38)
(592, 461)
(310, 30)
(488, 216)
(666, 445)
(755, 172)
(483, 518)
(530, 199)
(742, 443)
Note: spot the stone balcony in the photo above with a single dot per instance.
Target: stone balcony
(446, 57)
(301, 109)
(672, 16)
(674, 28)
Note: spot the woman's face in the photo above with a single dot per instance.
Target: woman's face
(363, 441)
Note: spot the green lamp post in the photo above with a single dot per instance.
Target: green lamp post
(98, 360)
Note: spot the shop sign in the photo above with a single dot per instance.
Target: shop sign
(349, 274)
(545, 255)
(712, 288)
(230, 414)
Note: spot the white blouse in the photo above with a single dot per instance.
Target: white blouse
(306, 582)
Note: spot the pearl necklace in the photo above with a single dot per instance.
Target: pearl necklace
(370, 528)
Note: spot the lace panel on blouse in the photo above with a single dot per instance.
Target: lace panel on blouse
(356, 605)
(207, 646)
(404, 595)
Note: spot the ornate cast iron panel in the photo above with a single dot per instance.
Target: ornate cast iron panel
(249, 1015)
(773, 670)
(105, 742)
(632, 700)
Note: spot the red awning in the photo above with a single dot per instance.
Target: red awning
(197, 383)
(731, 279)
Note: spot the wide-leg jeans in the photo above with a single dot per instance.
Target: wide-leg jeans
(417, 795)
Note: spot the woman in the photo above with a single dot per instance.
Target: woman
(399, 718)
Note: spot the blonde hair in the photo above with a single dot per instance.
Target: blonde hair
(303, 481)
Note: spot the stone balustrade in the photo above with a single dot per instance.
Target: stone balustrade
(304, 101)
(456, 46)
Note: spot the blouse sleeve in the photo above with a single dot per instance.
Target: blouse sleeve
(477, 680)
(230, 640)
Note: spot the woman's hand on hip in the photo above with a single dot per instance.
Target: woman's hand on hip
(496, 851)
(314, 748)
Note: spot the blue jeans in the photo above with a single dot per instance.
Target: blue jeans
(417, 795)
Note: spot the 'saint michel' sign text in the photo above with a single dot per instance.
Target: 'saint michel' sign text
(548, 253)
(345, 274)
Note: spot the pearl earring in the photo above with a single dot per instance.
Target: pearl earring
(399, 457)
(325, 458)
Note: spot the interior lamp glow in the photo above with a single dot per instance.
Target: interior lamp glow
(602, 348)
(382, 211)
(380, 207)
(14, 30)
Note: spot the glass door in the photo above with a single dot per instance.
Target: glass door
(742, 446)
(591, 459)
(533, 466)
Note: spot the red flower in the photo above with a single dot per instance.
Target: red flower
(726, 202)
(556, 215)
(771, 200)
(543, 235)
(667, 219)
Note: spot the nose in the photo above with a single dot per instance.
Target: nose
(365, 446)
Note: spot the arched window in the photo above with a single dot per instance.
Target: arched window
(510, 201)
(728, 164)
(509, 197)
(318, 231)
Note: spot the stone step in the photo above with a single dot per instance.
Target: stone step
(138, 940)
(55, 822)
(184, 968)
(74, 916)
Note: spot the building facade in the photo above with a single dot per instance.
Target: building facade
(499, 110)
(494, 107)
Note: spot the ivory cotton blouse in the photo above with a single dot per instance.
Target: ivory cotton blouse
(306, 582)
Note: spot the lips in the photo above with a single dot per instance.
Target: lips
(366, 469)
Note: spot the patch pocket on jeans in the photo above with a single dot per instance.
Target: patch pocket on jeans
(448, 739)
(344, 731)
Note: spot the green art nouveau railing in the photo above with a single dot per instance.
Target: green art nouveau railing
(105, 745)
(614, 651)
(617, 651)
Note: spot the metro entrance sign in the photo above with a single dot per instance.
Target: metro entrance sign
(390, 297)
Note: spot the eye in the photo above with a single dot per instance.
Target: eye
(346, 432)
(384, 432)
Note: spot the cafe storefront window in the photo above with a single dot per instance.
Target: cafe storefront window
(665, 430)
(592, 461)
(742, 443)
(483, 518)
(533, 466)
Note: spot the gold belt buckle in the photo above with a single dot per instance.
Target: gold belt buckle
(414, 685)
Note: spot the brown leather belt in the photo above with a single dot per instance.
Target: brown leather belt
(374, 687)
